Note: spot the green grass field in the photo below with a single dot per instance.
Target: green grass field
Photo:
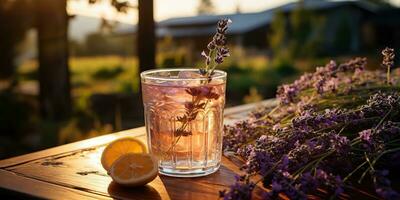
(100, 74)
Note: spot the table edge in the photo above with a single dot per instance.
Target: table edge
(11, 183)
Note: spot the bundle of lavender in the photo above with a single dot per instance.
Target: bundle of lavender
(333, 129)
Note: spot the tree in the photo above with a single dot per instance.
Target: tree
(205, 7)
(52, 26)
(277, 36)
(146, 36)
(16, 17)
(298, 34)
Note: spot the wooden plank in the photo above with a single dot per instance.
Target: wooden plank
(84, 144)
(246, 108)
(36, 188)
(239, 113)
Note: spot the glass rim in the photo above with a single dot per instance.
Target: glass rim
(146, 74)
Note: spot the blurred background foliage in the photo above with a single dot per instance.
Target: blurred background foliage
(104, 69)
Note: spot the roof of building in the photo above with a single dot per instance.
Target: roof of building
(243, 22)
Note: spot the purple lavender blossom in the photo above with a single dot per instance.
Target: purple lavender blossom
(223, 25)
(323, 79)
(216, 49)
(219, 59)
(380, 103)
(319, 84)
(309, 121)
(353, 65)
(383, 185)
(332, 84)
(340, 144)
(211, 45)
(388, 131)
(305, 146)
(241, 190)
(281, 183)
(208, 58)
(222, 53)
(238, 134)
(388, 58)
(308, 182)
(287, 93)
(366, 136)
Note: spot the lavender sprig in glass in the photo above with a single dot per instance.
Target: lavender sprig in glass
(217, 51)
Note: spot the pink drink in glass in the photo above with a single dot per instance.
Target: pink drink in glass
(184, 120)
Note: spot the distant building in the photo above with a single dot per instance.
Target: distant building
(367, 26)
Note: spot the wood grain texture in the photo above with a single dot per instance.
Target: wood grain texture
(89, 143)
(35, 188)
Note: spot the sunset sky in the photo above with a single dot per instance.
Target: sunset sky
(169, 8)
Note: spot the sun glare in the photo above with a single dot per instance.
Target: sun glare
(102, 9)
(164, 9)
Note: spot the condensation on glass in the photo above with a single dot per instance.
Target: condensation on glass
(184, 120)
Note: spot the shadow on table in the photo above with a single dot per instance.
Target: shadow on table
(144, 192)
(206, 187)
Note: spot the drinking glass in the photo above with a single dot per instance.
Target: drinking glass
(184, 120)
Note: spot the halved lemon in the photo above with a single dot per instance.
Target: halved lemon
(134, 169)
(120, 147)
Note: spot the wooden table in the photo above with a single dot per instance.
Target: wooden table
(73, 171)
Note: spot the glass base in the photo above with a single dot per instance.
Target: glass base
(188, 173)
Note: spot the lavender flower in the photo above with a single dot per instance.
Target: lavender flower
(208, 58)
(309, 182)
(211, 45)
(388, 62)
(365, 135)
(287, 93)
(383, 185)
(311, 141)
(388, 131)
(223, 26)
(259, 159)
(241, 190)
(319, 84)
(238, 134)
(323, 79)
(341, 144)
(388, 58)
(223, 52)
(216, 49)
(281, 183)
(353, 65)
(313, 121)
(380, 103)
